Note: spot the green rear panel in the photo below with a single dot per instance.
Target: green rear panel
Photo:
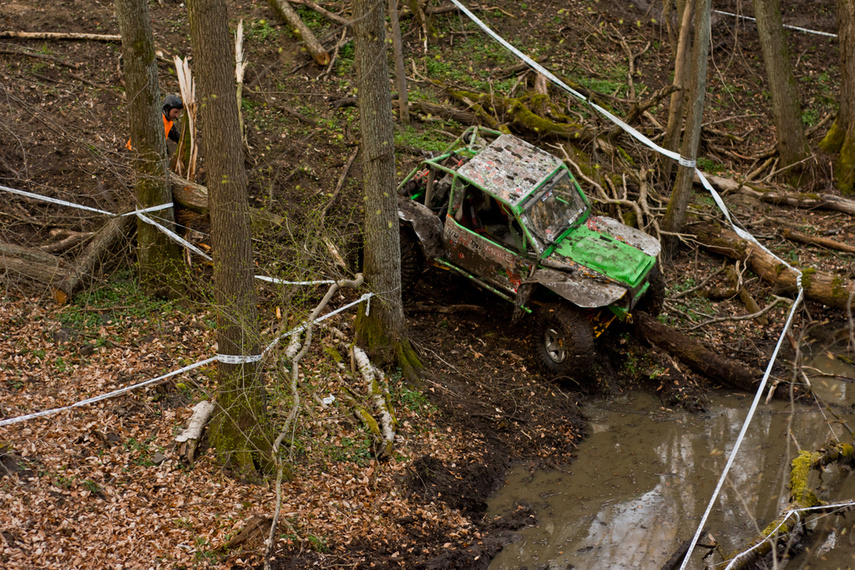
(605, 254)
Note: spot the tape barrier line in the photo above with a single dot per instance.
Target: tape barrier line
(689, 163)
(283, 282)
(300, 328)
(831, 508)
(226, 358)
(80, 206)
(106, 396)
(805, 30)
(141, 215)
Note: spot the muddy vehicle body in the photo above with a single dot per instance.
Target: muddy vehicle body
(512, 218)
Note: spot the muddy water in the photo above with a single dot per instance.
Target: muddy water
(642, 481)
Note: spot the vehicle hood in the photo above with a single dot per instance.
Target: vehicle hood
(610, 248)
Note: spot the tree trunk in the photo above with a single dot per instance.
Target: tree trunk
(157, 255)
(792, 146)
(681, 78)
(841, 136)
(832, 290)
(400, 74)
(383, 331)
(675, 215)
(237, 427)
(314, 47)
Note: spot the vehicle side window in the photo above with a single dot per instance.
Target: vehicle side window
(469, 204)
(481, 213)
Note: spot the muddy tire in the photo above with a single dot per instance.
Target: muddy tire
(412, 259)
(654, 298)
(564, 341)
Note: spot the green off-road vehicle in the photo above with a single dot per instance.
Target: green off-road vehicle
(512, 218)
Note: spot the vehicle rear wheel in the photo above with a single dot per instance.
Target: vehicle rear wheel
(412, 259)
(565, 340)
(654, 298)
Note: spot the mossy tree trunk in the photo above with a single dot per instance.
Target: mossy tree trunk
(790, 131)
(383, 331)
(841, 136)
(237, 430)
(158, 256)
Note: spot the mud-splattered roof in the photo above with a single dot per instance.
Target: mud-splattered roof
(510, 168)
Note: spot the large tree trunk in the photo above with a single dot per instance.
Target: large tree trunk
(237, 428)
(675, 215)
(158, 256)
(786, 109)
(832, 290)
(383, 331)
(841, 136)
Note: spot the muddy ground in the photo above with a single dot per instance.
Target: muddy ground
(65, 126)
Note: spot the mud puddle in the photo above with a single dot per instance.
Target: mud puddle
(643, 479)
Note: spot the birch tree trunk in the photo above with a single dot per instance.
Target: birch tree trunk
(158, 256)
(237, 427)
(383, 331)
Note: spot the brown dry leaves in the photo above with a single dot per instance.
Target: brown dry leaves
(101, 485)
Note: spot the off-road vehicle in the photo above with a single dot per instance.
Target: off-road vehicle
(512, 218)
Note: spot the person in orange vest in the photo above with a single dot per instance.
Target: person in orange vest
(172, 108)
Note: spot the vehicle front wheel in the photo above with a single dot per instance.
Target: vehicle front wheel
(565, 340)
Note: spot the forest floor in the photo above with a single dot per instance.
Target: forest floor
(102, 486)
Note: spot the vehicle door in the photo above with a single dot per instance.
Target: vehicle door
(483, 239)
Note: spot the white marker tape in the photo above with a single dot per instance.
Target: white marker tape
(238, 358)
(805, 30)
(112, 394)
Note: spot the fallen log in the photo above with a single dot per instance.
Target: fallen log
(61, 36)
(189, 438)
(803, 503)
(443, 111)
(806, 201)
(32, 265)
(698, 357)
(194, 197)
(188, 194)
(832, 290)
(793, 235)
(323, 12)
(287, 13)
(532, 113)
(67, 240)
(85, 264)
(449, 310)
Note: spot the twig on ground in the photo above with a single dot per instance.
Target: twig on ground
(760, 313)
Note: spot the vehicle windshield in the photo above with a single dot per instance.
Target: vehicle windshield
(554, 208)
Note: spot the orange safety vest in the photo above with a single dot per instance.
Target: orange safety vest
(167, 126)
